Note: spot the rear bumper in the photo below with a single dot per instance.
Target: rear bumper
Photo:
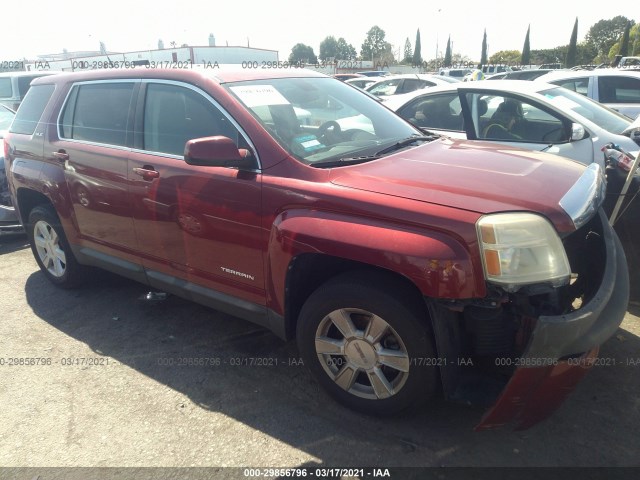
(563, 348)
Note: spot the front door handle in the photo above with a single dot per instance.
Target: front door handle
(61, 155)
(147, 172)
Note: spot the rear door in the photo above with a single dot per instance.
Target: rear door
(622, 93)
(196, 226)
(93, 145)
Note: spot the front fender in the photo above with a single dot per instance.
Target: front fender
(435, 262)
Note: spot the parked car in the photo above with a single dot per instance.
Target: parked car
(549, 118)
(398, 84)
(615, 88)
(404, 264)
(375, 73)
(530, 74)
(362, 82)
(9, 222)
(347, 76)
(15, 85)
(493, 69)
(458, 73)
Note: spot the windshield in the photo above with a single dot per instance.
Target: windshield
(319, 120)
(595, 112)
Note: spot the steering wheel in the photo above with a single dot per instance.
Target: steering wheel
(330, 131)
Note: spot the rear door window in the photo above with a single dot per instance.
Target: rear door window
(442, 112)
(31, 109)
(618, 89)
(98, 113)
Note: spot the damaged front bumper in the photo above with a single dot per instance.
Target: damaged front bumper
(562, 348)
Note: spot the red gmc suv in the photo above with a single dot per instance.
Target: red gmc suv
(404, 265)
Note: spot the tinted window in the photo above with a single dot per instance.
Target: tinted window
(578, 85)
(435, 111)
(387, 87)
(411, 84)
(173, 115)
(619, 90)
(24, 83)
(98, 113)
(5, 88)
(31, 109)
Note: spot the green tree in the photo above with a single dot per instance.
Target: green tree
(624, 45)
(328, 48)
(572, 51)
(507, 57)
(526, 49)
(635, 34)
(604, 34)
(616, 49)
(346, 51)
(483, 55)
(447, 54)
(375, 44)
(302, 53)
(417, 52)
(408, 52)
(549, 55)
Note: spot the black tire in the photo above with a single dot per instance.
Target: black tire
(51, 248)
(369, 300)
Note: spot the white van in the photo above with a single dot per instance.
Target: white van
(14, 86)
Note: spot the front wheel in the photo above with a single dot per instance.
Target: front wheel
(369, 344)
(51, 249)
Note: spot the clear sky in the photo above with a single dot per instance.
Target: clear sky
(44, 27)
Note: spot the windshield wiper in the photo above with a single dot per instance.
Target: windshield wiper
(365, 158)
(405, 142)
(344, 161)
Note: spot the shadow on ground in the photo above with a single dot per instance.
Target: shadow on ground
(597, 426)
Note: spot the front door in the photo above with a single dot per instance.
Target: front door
(197, 226)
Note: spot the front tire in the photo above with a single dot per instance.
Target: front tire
(51, 248)
(368, 342)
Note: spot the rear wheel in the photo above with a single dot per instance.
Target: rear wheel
(51, 249)
(369, 344)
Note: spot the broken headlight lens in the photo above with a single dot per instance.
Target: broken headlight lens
(521, 249)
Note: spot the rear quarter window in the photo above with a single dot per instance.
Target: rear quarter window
(31, 109)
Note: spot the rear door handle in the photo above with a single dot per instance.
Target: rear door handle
(147, 172)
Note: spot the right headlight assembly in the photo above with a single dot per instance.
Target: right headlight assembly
(520, 249)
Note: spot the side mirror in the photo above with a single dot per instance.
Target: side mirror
(217, 151)
(577, 132)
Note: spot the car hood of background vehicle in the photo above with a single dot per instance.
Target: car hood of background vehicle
(471, 176)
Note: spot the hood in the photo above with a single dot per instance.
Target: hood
(473, 176)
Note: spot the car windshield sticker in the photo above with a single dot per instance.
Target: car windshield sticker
(259, 95)
(562, 102)
(309, 142)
